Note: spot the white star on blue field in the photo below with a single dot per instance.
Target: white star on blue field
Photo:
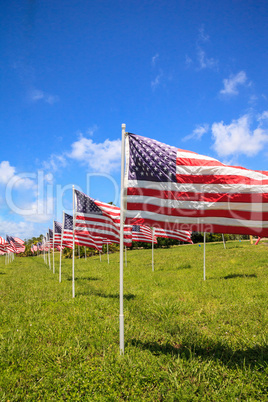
(189, 74)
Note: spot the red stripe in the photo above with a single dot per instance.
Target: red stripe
(203, 227)
(191, 196)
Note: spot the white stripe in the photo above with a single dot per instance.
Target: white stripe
(219, 170)
(191, 221)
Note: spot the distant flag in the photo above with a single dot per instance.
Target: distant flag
(181, 235)
(57, 233)
(16, 244)
(175, 189)
(97, 218)
(142, 233)
(67, 232)
(50, 238)
(3, 245)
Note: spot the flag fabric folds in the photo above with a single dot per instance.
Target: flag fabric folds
(3, 245)
(67, 232)
(143, 234)
(16, 244)
(96, 218)
(57, 233)
(176, 189)
(181, 235)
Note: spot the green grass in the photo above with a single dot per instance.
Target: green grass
(186, 339)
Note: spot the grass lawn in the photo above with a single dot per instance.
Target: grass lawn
(186, 339)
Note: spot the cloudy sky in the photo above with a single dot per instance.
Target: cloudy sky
(191, 74)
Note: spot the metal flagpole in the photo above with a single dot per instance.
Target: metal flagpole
(61, 245)
(73, 246)
(108, 253)
(223, 240)
(153, 251)
(121, 294)
(53, 247)
(49, 250)
(204, 256)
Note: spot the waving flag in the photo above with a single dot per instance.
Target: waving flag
(67, 234)
(181, 235)
(96, 218)
(143, 234)
(16, 244)
(57, 233)
(176, 189)
(3, 245)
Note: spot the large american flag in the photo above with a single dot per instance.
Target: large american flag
(96, 218)
(142, 233)
(57, 233)
(182, 235)
(176, 189)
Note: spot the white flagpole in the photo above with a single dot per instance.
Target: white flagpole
(153, 251)
(204, 256)
(53, 247)
(61, 245)
(223, 239)
(121, 292)
(73, 246)
(49, 250)
(126, 255)
(108, 253)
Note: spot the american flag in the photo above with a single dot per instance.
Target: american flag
(96, 218)
(142, 233)
(67, 234)
(182, 235)
(16, 244)
(57, 233)
(50, 238)
(85, 239)
(40, 246)
(3, 244)
(176, 189)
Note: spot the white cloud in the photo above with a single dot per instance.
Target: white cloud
(198, 132)
(37, 95)
(39, 211)
(156, 82)
(8, 176)
(237, 137)
(231, 83)
(202, 36)
(204, 61)
(263, 116)
(101, 157)
(55, 162)
(154, 59)
(22, 230)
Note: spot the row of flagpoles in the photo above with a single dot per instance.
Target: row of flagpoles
(172, 191)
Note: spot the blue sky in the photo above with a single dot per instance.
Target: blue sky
(191, 74)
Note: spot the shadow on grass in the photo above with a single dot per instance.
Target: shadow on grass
(128, 296)
(231, 276)
(2, 273)
(253, 357)
(89, 278)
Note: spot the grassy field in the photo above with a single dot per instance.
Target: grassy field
(186, 339)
